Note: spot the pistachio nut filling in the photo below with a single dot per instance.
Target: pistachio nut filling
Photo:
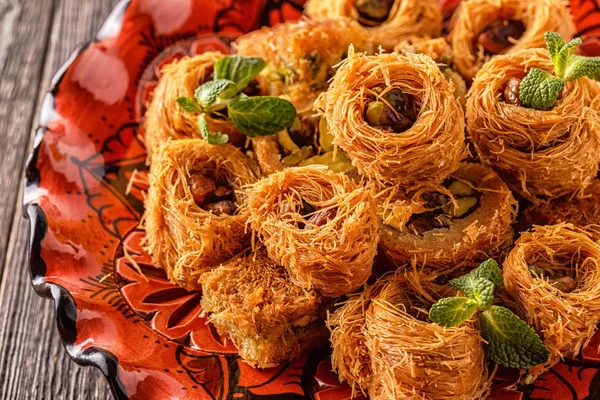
(565, 283)
(391, 109)
(311, 143)
(439, 210)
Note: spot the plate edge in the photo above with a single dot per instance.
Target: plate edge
(64, 304)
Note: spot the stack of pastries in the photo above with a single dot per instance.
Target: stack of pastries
(409, 162)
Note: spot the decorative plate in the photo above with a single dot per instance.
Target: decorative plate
(143, 333)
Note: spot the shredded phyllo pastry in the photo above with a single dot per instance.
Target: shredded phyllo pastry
(385, 345)
(553, 274)
(441, 52)
(583, 212)
(164, 119)
(465, 219)
(387, 21)
(542, 155)
(195, 209)
(306, 53)
(484, 28)
(300, 70)
(320, 225)
(396, 118)
(270, 320)
(353, 176)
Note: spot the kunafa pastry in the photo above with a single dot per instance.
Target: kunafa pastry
(441, 52)
(387, 21)
(320, 225)
(349, 353)
(165, 120)
(195, 209)
(299, 71)
(396, 118)
(582, 212)
(352, 214)
(468, 217)
(307, 52)
(542, 154)
(253, 301)
(483, 28)
(400, 353)
(553, 274)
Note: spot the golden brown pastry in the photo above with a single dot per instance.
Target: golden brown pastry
(386, 21)
(540, 154)
(269, 319)
(553, 274)
(483, 28)
(320, 225)
(467, 219)
(195, 208)
(396, 118)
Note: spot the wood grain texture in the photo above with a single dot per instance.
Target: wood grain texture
(36, 37)
(24, 29)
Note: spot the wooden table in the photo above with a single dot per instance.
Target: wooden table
(36, 37)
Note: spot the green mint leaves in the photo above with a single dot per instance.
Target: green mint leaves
(488, 269)
(241, 70)
(253, 116)
(188, 105)
(540, 89)
(261, 115)
(208, 93)
(452, 311)
(211, 138)
(510, 341)
(583, 66)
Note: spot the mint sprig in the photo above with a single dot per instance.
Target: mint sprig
(261, 115)
(212, 138)
(241, 70)
(540, 89)
(452, 311)
(253, 116)
(208, 93)
(510, 341)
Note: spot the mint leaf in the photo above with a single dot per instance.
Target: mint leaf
(452, 311)
(211, 138)
(483, 292)
(563, 58)
(480, 289)
(240, 70)
(489, 270)
(511, 342)
(554, 42)
(188, 105)
(580, 66)
(560, 51)
(261, 115)
(540, 89)
(207, 93)
(480, 283)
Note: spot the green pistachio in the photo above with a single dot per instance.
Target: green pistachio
(297, 157)
(376, 113)
(459, 188)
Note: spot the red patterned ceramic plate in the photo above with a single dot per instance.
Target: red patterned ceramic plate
(145, 334)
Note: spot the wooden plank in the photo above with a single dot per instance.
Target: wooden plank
(33, 362)
(23, 40)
